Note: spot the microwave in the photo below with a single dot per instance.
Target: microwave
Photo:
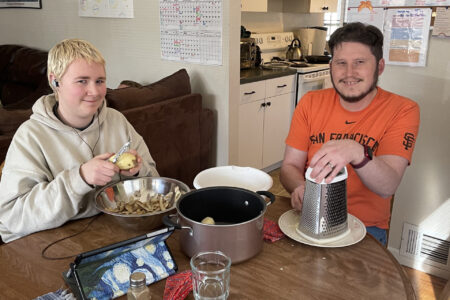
(248, 53)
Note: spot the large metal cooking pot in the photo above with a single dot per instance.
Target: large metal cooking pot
(238, 215)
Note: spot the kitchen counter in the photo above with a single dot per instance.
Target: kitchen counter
(257, 74)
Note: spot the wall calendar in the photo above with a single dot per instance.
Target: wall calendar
(191, 31)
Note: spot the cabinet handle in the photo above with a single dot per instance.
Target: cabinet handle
(268, 103)
(252, 92)
(325, 8)
(281, 86)
(263, 105)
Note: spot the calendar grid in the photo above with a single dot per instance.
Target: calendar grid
(191, 31)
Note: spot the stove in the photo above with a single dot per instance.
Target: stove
(273, 53)
(302, 67)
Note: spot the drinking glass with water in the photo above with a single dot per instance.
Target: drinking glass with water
(211, 275)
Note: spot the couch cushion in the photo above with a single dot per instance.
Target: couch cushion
(172, 86)
(171, 130)
(29, 66)
(6, 55)
(12, 92)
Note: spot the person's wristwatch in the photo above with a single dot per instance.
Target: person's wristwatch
(368, 156)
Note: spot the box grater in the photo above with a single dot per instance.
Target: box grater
(324, 210)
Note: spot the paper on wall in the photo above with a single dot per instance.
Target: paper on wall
(397, 3)
(106, 8)
(406, 34)
(372, 16)
(441, 26)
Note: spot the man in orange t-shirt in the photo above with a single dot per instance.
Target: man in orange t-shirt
(355, 124)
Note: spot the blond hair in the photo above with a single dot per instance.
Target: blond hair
(67, 51)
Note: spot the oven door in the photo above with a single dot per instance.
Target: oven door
(312, 81)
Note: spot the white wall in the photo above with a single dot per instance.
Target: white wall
(425, 187)
(279, 22)
(132, 50)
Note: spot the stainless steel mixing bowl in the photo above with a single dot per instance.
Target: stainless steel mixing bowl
(109, 195)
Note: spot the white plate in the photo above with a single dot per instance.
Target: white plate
(288, 223)
(243, 177)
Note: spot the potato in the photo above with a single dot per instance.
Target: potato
(208, 220)
(126, 161)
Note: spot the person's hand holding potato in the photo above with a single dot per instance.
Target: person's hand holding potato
(129, 163)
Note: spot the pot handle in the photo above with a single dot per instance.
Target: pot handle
(169, 223)
(269, 195)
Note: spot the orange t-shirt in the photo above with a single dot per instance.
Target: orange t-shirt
(389, 125)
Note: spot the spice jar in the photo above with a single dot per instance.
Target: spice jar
(138, 290)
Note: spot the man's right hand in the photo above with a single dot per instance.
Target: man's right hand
(297, 197)
(98, 171)
(292, 175)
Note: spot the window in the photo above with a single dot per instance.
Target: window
(336, 19)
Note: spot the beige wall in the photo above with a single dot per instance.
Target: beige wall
(278, 22)
(425, 188)
(132, 50)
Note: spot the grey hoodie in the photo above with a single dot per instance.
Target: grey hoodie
(41, 186)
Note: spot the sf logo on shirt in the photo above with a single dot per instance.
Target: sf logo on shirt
(408, 140)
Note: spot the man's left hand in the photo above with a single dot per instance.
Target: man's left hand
(333, 156)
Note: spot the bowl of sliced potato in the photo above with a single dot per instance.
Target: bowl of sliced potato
(140, 203)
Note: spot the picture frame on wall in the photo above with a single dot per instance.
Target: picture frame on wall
(21, 4)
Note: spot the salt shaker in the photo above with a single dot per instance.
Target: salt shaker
(138, 290)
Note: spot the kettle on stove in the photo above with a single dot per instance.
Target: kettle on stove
(294, 51)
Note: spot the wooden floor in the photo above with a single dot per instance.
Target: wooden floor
(427, 287)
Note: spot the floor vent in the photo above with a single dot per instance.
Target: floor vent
(424, 247)
(435, 249)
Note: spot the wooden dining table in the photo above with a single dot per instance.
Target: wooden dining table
(285, 269)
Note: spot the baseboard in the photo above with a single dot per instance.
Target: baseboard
(272, 167)
(418, 265)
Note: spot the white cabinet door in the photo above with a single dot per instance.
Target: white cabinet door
(252, 91)
(310, 6)
(276, 127)
(280, 86)
(254, 5)
(323, 6)
(251, 122)
(264, 118)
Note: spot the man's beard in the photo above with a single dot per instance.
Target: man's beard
(353, 99)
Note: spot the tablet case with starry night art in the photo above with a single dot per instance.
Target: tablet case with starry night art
(104, 273)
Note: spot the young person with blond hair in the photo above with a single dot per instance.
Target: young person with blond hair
(58, 157)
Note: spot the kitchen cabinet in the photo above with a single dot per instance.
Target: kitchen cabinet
(254, 5)
(310, 6)
(264, 118)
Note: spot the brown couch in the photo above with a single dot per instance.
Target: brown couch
(177, 130)
(171, 119)
(23, 79)
(23, 76)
